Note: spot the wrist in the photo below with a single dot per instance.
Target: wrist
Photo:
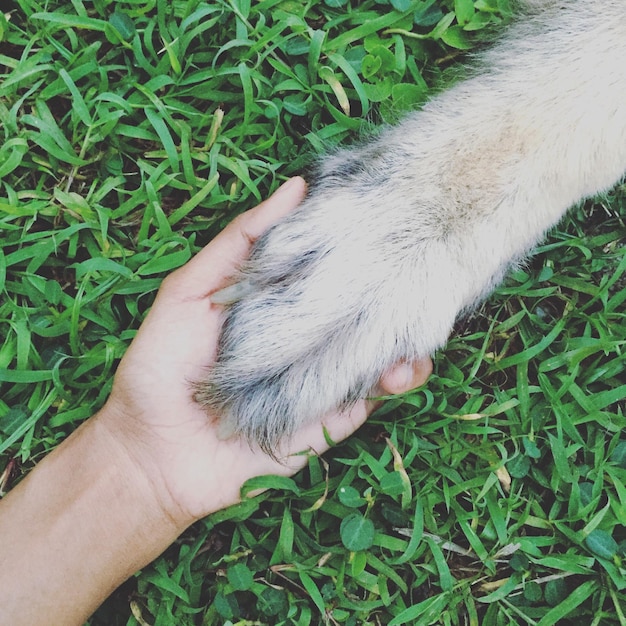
(145, 462)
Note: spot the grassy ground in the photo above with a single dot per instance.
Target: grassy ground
(131, 133)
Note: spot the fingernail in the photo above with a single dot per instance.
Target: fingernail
(405, 375)
(289, 184)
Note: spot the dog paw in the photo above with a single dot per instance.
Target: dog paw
(332, 296)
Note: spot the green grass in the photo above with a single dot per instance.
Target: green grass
(132, 132)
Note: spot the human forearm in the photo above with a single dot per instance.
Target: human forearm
(78, 526)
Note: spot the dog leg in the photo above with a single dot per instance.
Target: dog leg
(399, 236)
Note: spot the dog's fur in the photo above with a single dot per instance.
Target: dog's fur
(399, 236)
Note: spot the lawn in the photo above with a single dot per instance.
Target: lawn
(132, 132)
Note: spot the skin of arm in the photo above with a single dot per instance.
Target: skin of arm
(131, 479)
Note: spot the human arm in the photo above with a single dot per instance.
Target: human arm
(119, 490)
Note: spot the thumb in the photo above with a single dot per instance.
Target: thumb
(219, 260)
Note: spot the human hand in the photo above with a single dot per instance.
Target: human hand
(152, 413)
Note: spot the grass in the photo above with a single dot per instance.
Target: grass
(132, 132)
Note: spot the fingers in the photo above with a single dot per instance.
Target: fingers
(403, 377)
(400, 378)
(406, 376)
(254, 223)
(209, 270)
(316, 438)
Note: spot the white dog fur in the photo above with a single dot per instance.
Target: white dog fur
(401, 235)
